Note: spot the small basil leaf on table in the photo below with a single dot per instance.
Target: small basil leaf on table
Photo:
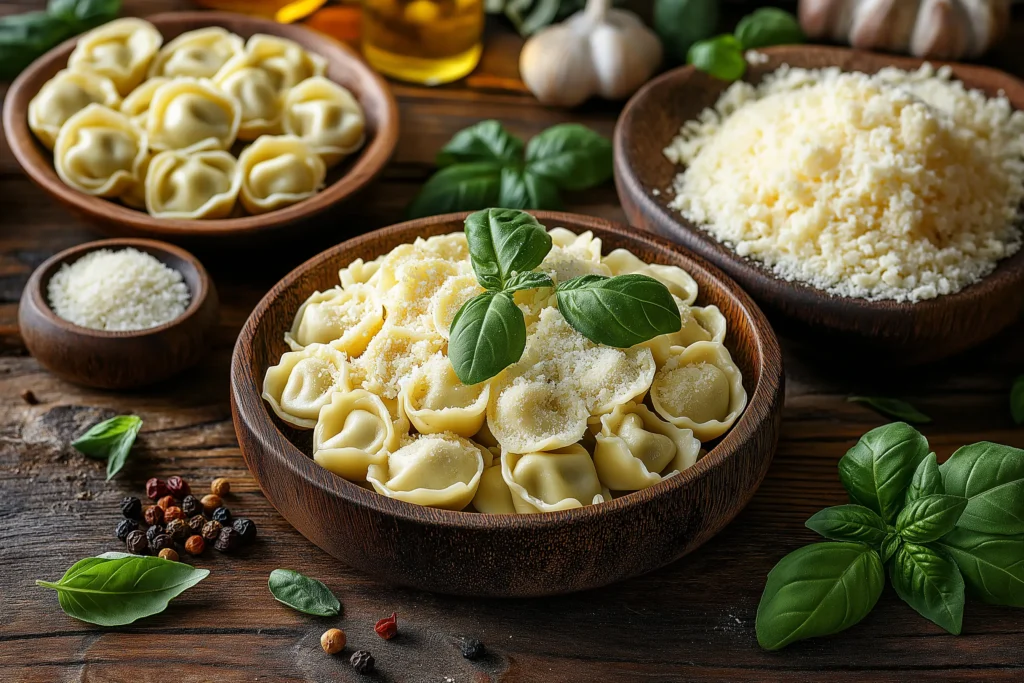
(1017, 400)
(619, 311)
(524, 190)
(992, 566)
(487, 335)
(529, 280)
(722, 57)
(890, 546)
(931, 584)
(929, 518)
(927, 480)
(117, 589)
(462, 187)
(110, 440)
(300, 592)
(503, 242)
(570, 155)
(681, 23)
(487, 141)
(991, 477)
(768, 26)
(893, 407)
(849, 523)
(818, 590)
(876, 471)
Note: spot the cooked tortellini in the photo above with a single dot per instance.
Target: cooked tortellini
(191, 114)
(700, 389)
(304, 381)
(438, 470)
(197, 54)
(279, 171)
(493, 496)
(259, 100)
(100, 152)
(434, 400)
(285, 61)
(136, 104)
(554, 480)
(698, 324)
(120, 50)
(63, 96)
(325, 115)
(193, 185)
(347, 319)
(636, 449)
(353, 432)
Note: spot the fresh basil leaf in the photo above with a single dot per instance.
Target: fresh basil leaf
(488, 334)
(503, 242)
(462, 187)
(890, 546)
(86, 13)
(893, 407)
(876, 471)
(487, 142)
(24, 37)
(768, 26)
(992, 566)
(722, 57)
(114, 591)
(528, 280)
(818, 590)
(110, 440)
(927, 480)
(300, 592)
(931, 584)
(570, 155)
(929, 518)
(619, 311)
(681, 23)
(991, 477)
(1017, 400)
(524, 190)
(849, 523)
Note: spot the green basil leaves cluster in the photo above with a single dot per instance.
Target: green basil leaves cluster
(722, 56)
(486, 166)
(940, 531)
(488, 333)
(110, 440)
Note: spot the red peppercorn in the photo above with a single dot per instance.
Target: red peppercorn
(178, 487)
(166, 502)
(153, 514)
(172, 513)
(156, 488)
(387, 627)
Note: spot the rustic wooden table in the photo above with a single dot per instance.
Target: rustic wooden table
(693, 620)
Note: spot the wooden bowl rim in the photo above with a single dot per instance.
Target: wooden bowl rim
(757, 411)
(40, 278)
(1007, 275)
(372, 159)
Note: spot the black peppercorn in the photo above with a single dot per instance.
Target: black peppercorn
(154, 531)
(362, 661)
(246, 530)
(472, 648)
(178, 530)
(211, 530)
(191, 506)
(125, 527)
(131, 507)
(222, 515)
(196, 524)
(227, 540)
(160, 542)
(137, 543)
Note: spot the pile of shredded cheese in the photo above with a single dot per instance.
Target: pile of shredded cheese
(118, 291)
(901, 185)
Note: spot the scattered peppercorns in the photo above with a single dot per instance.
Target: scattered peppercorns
(227, 540)
(125, 527)
(220, 487)
(166, 502)
(195, 545)
(131, 507)
(178, 487)
(153, 515)
(387, 627)
(29, 397)
(191, 506)
(172, 513)
(154, 531)
(169, 554)
(137, 543)
(362, 661)
(161, 541)
(156, 489)
(246, 530)
(178, 529)
(211, 530)
(210, 503)
(222, 515)
(333, 641)
(472, 648)
(196, 524)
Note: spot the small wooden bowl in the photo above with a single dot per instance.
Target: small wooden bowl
(506, 555)
(344, 67)
(119, 360)
(901, 333)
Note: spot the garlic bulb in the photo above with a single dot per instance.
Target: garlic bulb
(598, 51)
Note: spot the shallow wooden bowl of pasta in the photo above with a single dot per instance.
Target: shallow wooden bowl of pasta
(572, 547)
(220, 221)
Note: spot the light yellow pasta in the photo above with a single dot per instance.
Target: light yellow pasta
(197, 54)
(100, 152)
(304, 381)
(493, 496)
(636, 449)
(326, 116)
(279, 171)
(191, 114)
(555, 480)
(259, 100)
(347, 319)
(449, 298)
(120, 50)
(63, 96)
(285, 61)
(359, 272)
(697, 324)
(700, 389)
(191, 186)
(434, 400)
(436, 470)
(136, 104)
(353, 432)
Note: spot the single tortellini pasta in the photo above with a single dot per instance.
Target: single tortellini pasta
(136, 104)
(278, 171)
(63, 96)
(447, 301)
(303, 382)
(285, 61)
(347, 319)
(325, 115)
(636, 449)
(393, 355)
(527, 416)
(353, 432)
(452, 246)
(197, 54)
(192, 185)
(259, 100)
(554, 480)
(434, 400)
(700, 389)
(623, 262)
(191, 114)
(135, 195)
(100, 152)
(679, 282)
(698, 324)
(436, 470)
(120, 50)
(359, 272)
(493, 496)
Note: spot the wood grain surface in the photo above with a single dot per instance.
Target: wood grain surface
(690, 621)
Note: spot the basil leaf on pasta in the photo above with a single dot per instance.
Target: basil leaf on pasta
(488, 334)
(619, 311)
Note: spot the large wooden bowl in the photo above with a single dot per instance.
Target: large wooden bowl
(506, 555)
(344, 67)
(902, 333)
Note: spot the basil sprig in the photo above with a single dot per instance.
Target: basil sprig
(303, 593)
(115, 589)
(110, 440)
(723, 56)
(941, 531)
(488, 333)
(485, 166)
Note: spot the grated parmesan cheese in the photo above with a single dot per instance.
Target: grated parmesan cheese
(902, 185)
(118, 291)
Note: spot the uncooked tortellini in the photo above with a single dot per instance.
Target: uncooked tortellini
(279, 171)
(120, 50)
(700, 389)
(325, 115)
(434, 400)
(354, 431)
(100, 152)
(193, 185)
(197, 54)
(303, 382)
(438, 470)
(63, 96)
(553, 480)
(258, 98)
(347, 319)
(635, 448)
(189, 114)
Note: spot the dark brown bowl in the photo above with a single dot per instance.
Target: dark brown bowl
(119, 360)
(898, 332)
(506, 555)
(344, 67)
